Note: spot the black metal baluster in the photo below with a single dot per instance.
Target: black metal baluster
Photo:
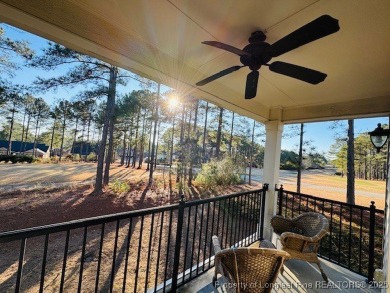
(253, 224)
(193, 240)
(100, 257)
(360, 241)
(64, 261)
(139, 253)
(232, 212)
(187, 238)
(212, 233)
(246, 220)
(315, 205)
(340, 227)
(371, 243)
(149, 253)
(236, 221)
(241, 222)
(82, 260)
(127, 255)
(206, 233)
(292, 205)
(261, 219)
(112, 278)
(300, 203)
(20, 265)
(307, 203)
(228, 214)
(350, 237)
(330, 229)
(167, 251)
(200, 239)
(44, 263)
(280, 200)
(158, 251)
(178, 238)
(286, 203)
(223, 222)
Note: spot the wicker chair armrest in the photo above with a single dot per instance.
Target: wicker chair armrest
(286, 235)
(216, 244)
(281, 224)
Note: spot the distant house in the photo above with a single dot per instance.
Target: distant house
(38, 153)
(84, 148)
(19, 147)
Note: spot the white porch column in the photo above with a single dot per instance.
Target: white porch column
(273, 143)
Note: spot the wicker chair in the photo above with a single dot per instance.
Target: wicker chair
(247, 270)
(301, 236)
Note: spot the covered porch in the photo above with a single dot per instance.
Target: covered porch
(297, 277)
(161, 40)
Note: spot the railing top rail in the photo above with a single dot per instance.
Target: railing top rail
(223, 197)
(330, 200)
(87, 222)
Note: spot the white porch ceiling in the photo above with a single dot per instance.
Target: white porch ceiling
(161, 39)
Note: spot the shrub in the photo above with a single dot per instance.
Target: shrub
(219, 173)
(91, 157)
(119, 186)
(76, 158)
(16, 159)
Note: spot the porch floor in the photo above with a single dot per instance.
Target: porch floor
(298, 276)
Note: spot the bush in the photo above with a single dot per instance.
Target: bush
(119, 186)
(76, 158)
(16, 159)
(91, 157)
(219, 173)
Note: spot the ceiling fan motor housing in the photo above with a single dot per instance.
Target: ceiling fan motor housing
(258, 50)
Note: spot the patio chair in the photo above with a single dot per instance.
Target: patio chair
(247, 270)
(301, 236)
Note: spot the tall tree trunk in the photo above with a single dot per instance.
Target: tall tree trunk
(196, 115)
(27, 128)
(110, 106)
(136, 139)
(155, 119)
(35, 137)
(204, 134)
(130, 140)
(11, 128)
(74, 136)
(113, 75)
(219, 134)
(124, 148)
(52, 138)
(62, 138)
(231, 135)
(142, 142)
(88, 132)
(23, 127)
(300, 159)
(351, 164)
(180, 170)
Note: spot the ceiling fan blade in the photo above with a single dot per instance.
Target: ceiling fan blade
(226, 47)
(298, 72)
(318, 28)
(251, 84)
(218, 75)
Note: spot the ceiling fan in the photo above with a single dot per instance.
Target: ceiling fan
(258, 53)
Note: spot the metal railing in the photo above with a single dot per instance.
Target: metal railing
(157, 249)
(355, 232)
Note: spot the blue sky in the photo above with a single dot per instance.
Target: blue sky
(320, 134)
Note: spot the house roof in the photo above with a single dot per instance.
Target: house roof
(18, 146)
(162, 40)
(84, 148)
